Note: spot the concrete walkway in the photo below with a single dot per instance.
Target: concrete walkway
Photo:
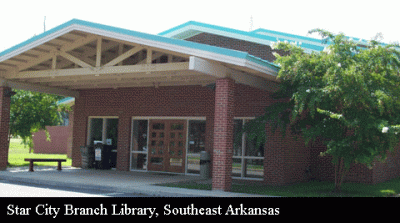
(120, 181)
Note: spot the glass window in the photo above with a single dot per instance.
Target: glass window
(193, 164)
(138, 161)
(253, 150)
(197, 136)
(139, 139)
(248, 158)
(112, 132)
(254, 168)
(196, 144)
(237, 167)
(158, 126)
(96, 130)
(237, 139)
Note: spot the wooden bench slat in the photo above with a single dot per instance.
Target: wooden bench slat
(45, 160)
(32, 160)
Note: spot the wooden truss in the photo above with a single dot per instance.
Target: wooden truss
(78, 60)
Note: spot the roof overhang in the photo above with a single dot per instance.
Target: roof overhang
(80, 55)
(259, 36)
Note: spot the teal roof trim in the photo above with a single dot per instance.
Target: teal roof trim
(219, 28)
(261, 31)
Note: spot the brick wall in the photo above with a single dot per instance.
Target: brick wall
(162, 101)
(262, 51)
(286, 160)
(383, 171)
(59, 136)
(323, 169)
(143, 101)
(4, 124)
(124, 137)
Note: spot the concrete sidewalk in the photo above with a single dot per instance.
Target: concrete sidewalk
(120, 181)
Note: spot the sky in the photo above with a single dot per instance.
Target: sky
(21, 20)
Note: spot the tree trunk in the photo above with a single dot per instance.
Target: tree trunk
(340, 172)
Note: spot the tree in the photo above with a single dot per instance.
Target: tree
(31, 112)
(347, 96)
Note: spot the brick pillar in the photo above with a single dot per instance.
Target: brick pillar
(274, 171)
(4, 126)
(70, 128)
(79, 131)
(123, 151)
(223, 135)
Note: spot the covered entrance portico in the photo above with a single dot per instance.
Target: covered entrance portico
(116, 74)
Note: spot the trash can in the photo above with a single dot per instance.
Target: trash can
(205, 164)
(87, 154)
(102, 157)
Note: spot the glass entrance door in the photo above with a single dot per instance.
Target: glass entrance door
(167, 145)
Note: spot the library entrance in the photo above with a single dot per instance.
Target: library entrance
(167, 145)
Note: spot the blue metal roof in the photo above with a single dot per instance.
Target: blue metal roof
(259, 34)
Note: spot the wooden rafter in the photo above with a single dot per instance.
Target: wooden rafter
(105, 70)
(98, 52)
(67, 47)
(123, 56)
(73, 59)
(149, 57)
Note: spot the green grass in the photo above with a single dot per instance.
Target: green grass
(18, 152)
(309, 189)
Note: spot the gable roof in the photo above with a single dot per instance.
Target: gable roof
(66, 58)
(203, 50)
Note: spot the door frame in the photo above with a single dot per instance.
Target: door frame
(148, 118)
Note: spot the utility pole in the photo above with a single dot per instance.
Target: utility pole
(44, 24)
(251, 23)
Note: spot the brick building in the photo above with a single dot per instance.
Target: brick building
(159, 100)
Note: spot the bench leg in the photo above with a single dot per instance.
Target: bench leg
(31, 166)
(59, 165)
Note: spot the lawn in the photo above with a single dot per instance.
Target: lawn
(309, 189)
(18, 152)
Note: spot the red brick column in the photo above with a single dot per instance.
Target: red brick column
(79, 131)
(223, 135)
(123, 151)
(4, 126)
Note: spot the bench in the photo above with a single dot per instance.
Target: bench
(31, 161)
